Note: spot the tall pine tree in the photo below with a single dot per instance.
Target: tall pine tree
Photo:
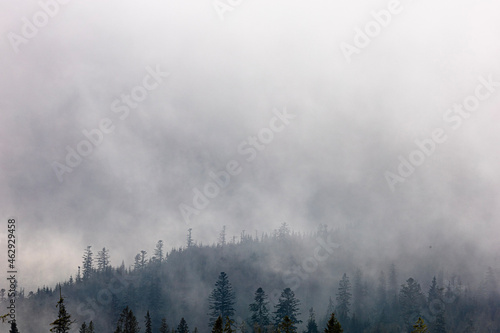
(63, 322)
(344, 298)
(288, 306)
(182, 327)
(221, 300)
(333, 325)
(259, 309)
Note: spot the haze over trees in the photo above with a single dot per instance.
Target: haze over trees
(260, 284)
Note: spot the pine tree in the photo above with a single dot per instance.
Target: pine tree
(344, 298)
(420, 326)
(411, 300)
(287, 305)
(221, 300)
(102, 260)
(88, 262)
(83, 328)
(127, 323)
(286, 326)
(189, 238)
(63, 322)
(333, 325)
(434, 291)
(144, 256)
(218, 326)
(182, 327)
(91, 327)
(13, 327)
(147, 323)
(312, 327)
(159, 256)
(164, 327)
(259, 310)
(137, 261)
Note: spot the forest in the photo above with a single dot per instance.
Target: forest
(280, 282)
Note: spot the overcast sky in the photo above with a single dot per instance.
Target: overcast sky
(349, 105)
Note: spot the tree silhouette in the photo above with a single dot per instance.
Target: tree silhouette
(182, 327)
(221, 300)
(63, 322)
(333, 325)
(288, 306)
(344, 298)
(218, 326)
(259, 310)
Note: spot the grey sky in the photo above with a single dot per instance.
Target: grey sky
(227, 76)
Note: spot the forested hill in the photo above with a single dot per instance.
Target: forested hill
(323, 271)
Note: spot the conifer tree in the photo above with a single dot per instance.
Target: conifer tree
(218, 326)
(189, 238)
(102, 259)
(333, 325)
(411, 300)
(259, 309)
(88, 262)
(344, 298)
(182, 327)
(127, 323)
(164, 327)
(147, 323)
(221, 300)
(287, 305)
(420, 326)
(312, 326)
(91, 327)
(434, 291)
(286, 326)
(63, 322)
(159, 256)
(83, 328)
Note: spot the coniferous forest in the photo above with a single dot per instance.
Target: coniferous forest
(280, 282)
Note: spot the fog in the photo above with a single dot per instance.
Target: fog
(350, 118)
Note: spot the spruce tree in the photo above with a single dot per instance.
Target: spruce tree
(91, 327)
(333, 325)
(127, 323)
(344, 298)
(287, 305)
(63, 322)
(221, 300)
(218, 326)
(147, 323)
(259, 309)
(286, 326)
(88, 263)
(83, 328)
(411, 300)
(164, 327)
(102, 260)
(312, 327)
(182, 327)
(159, 256)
